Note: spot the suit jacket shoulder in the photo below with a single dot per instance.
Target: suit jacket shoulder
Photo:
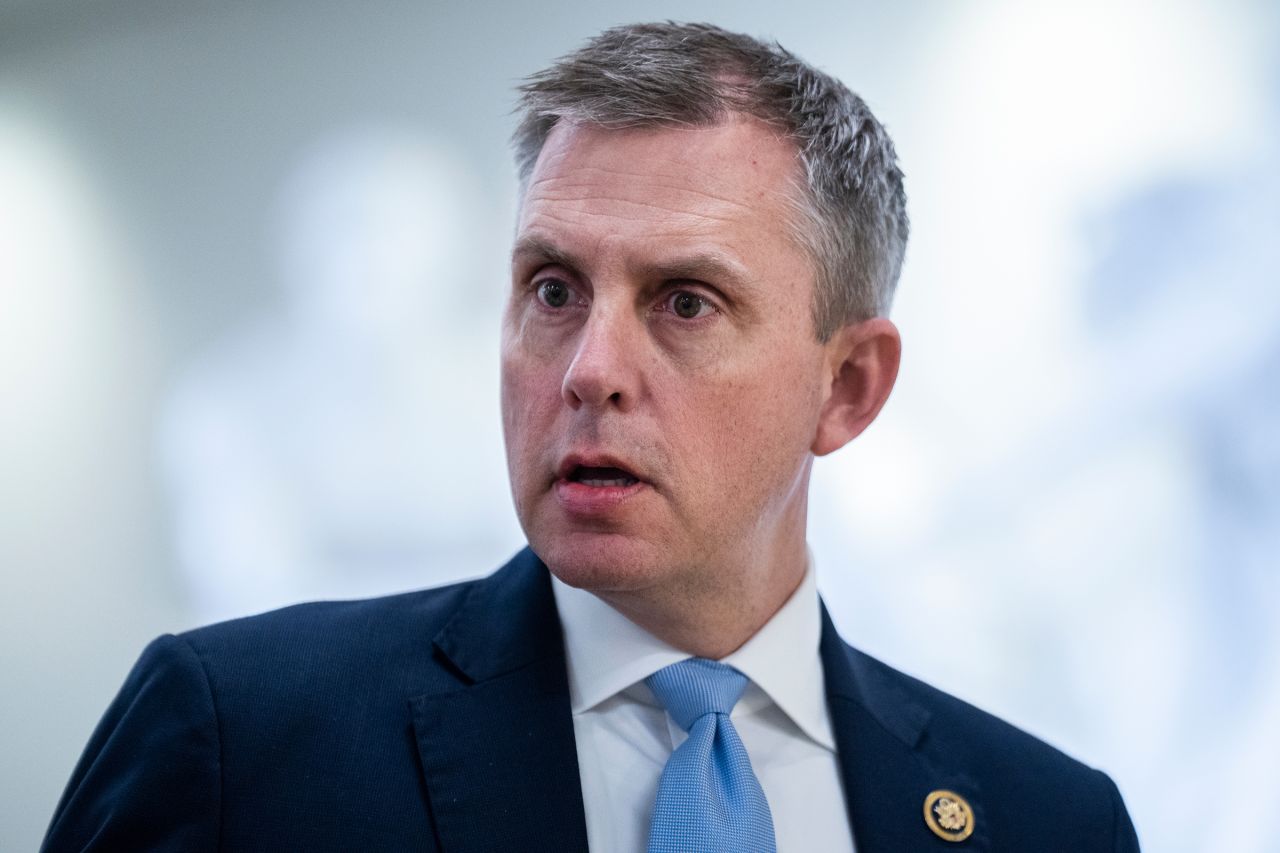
(291, 727)
(901, 739)
(321, 652)
(430, 720)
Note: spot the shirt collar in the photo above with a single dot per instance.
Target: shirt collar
(606, 654)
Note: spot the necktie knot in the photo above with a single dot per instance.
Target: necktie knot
(693, 688)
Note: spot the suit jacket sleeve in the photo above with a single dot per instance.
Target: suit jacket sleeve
(149, 778)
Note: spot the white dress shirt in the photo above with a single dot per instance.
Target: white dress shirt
(624, 736)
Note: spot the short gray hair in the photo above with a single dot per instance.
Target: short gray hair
(852, 214)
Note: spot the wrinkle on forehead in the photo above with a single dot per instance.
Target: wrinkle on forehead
(587, 148)
(572, 187)
(638, 210)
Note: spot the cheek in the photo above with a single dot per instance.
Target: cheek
(515, 409)
(757, 430)
(530, 396)
(533, 360)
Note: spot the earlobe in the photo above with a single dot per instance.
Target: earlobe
(863, 365)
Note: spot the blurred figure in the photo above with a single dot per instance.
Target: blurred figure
(1187, 313)
(314, 453)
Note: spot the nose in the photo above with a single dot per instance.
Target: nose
(603, 372)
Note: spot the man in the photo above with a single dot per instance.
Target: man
(709, 236)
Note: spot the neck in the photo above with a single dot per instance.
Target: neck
(715, 622)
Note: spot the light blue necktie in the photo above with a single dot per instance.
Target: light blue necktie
(709, 799)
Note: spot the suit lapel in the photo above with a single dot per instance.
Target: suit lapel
(497, 743)
(887, 771)
(500, 761)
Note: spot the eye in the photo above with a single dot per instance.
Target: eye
(689, 306)
(553, 293)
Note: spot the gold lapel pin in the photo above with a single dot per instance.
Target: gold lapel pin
(948, 815)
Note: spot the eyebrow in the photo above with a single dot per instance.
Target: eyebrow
(533, 247)
(703, 266)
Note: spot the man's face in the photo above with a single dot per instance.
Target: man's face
(661, 377)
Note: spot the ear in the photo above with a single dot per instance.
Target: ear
(862, 365)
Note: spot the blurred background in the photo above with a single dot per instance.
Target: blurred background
(252, 258)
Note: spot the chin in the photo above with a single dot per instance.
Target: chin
(600, 562)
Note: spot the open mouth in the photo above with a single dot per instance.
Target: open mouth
(601, 477)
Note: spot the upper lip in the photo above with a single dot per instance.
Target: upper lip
(574, 461)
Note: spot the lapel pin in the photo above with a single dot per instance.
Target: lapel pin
(948, 815)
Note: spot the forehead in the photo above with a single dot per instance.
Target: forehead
(727, 187)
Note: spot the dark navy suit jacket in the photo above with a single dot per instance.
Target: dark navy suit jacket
(439, 720)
